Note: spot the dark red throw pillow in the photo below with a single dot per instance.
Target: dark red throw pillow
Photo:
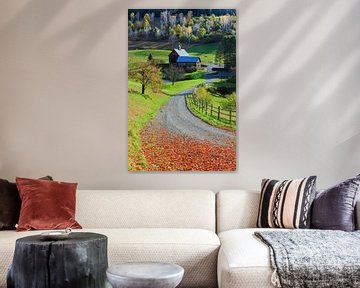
(46, 204)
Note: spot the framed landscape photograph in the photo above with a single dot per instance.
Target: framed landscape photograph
(182, 90)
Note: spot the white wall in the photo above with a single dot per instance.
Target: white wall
(63, 92)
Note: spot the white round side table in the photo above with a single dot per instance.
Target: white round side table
(145, 275)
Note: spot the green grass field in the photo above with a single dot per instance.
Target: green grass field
(218, 101)
(141, 55)
(199, 74)
(180, 86)
(205, 51)
(141, 109)
(212, 120)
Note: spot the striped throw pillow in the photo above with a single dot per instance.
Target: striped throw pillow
(286, 204)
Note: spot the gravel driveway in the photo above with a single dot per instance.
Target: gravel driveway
(176, 118)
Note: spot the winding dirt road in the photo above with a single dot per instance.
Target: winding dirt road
(177, 140)
(176, 118)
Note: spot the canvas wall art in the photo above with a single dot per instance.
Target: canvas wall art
(181, 90)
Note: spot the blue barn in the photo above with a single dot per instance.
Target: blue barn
(180, 57)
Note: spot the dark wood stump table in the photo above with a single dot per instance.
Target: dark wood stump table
(79, 261)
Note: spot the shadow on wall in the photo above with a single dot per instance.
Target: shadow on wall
(89, 30)
(298, 71)
(46, 11)
(86, 32)
(298, 64)
(281, 64)
(304, 45)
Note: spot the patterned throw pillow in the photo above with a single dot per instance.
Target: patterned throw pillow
(286, 204)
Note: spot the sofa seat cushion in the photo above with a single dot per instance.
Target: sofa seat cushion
(244, 261)
(194, 249)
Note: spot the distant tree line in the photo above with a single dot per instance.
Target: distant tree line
(195, 12)
(199, 25)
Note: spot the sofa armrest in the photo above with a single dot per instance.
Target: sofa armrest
(357, 215)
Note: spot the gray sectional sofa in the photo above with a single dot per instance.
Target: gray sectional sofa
(210, 235)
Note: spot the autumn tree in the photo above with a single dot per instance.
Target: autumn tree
(131, 25)
(132, 16)
(178, 29)
(230, 103)
(201, 32)
(203, 94)
(188, 33)
(148, 74)
(146, 24)
(174, 73)
(225, 21)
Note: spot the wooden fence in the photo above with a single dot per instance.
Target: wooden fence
(226, 116)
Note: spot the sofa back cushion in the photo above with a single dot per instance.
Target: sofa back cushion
(146, 209)
(236, 209)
